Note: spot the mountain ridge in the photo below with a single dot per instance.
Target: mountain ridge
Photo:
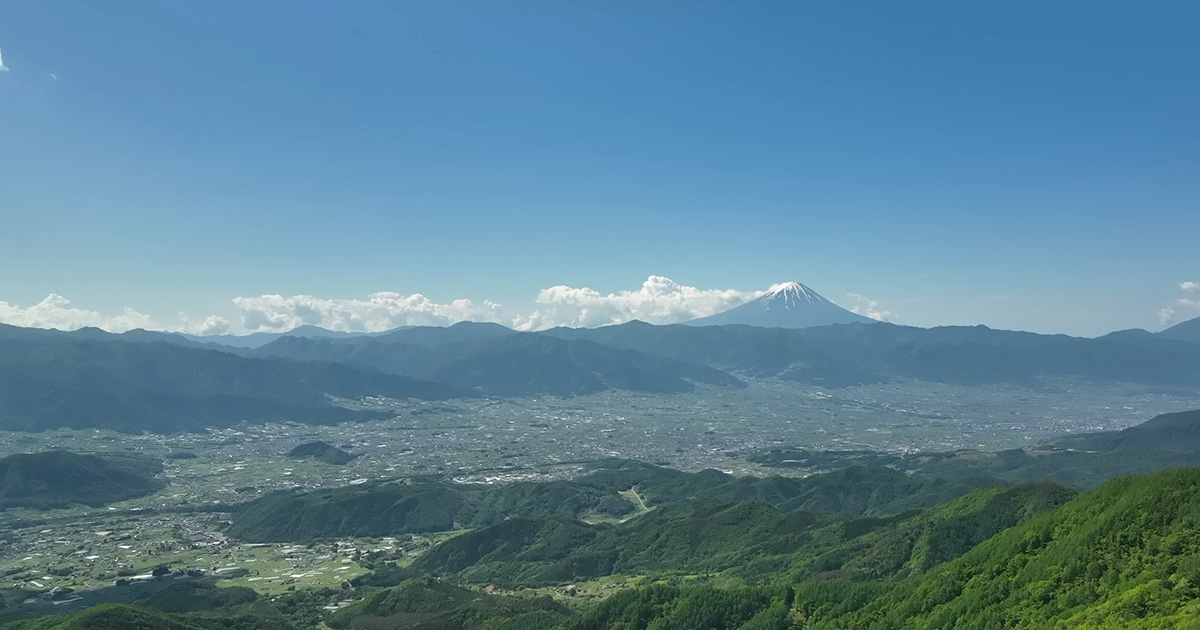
(63, 381)
(1183, 331)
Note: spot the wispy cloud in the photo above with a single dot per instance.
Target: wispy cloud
(3, 68)
(867, 307)
(1182, 308)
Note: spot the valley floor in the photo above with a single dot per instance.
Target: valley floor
(78, 550)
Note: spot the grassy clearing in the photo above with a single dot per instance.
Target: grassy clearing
(636, 499)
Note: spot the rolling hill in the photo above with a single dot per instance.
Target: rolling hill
(757, 541)
(1028, 557)
(126, 617)
(60, 478)
(1168, 433)
(1082, 461)
(429, 505)
(427, 604)
(322, 452)
(1123, 555)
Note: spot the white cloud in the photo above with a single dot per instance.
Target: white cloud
(3, 68)
(1179, 310)
(379, 312)
(211, 325)
(865, 306)
(659, 301)
(1182, 308)
(57, 311)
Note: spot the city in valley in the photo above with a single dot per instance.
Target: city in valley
(59, 557)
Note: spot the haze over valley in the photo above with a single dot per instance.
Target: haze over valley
(599, 316)
(208, 431)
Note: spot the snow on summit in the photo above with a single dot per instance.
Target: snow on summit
(785, 305)
(789, 293)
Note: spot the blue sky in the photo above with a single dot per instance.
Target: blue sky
(1022, 165)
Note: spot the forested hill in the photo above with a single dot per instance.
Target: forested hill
(323, 452)
(1125, 555)
(126, 617)
(58, 478)
(1083, 460)
(756, 541)
(1170, 433)
(429, 505)
(1122, 556)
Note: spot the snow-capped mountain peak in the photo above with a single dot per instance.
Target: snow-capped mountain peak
(785, 305)
(787, 294)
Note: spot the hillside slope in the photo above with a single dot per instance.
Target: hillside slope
(323, 452)
(63, 381)
(59, 478)
(493, 360)
(1124, 555)
(757, 541)
(429, 505)
(124, 617)
(1170, 433)
(1183, 331)
(849, 354)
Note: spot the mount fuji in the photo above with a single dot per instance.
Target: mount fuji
(786, 305)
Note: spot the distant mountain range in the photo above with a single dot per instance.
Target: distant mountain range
(50, 379)
(786, 305)
(255, 340)
(162, 382)
(1183, 331)
(492, 360)
(850, 354)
